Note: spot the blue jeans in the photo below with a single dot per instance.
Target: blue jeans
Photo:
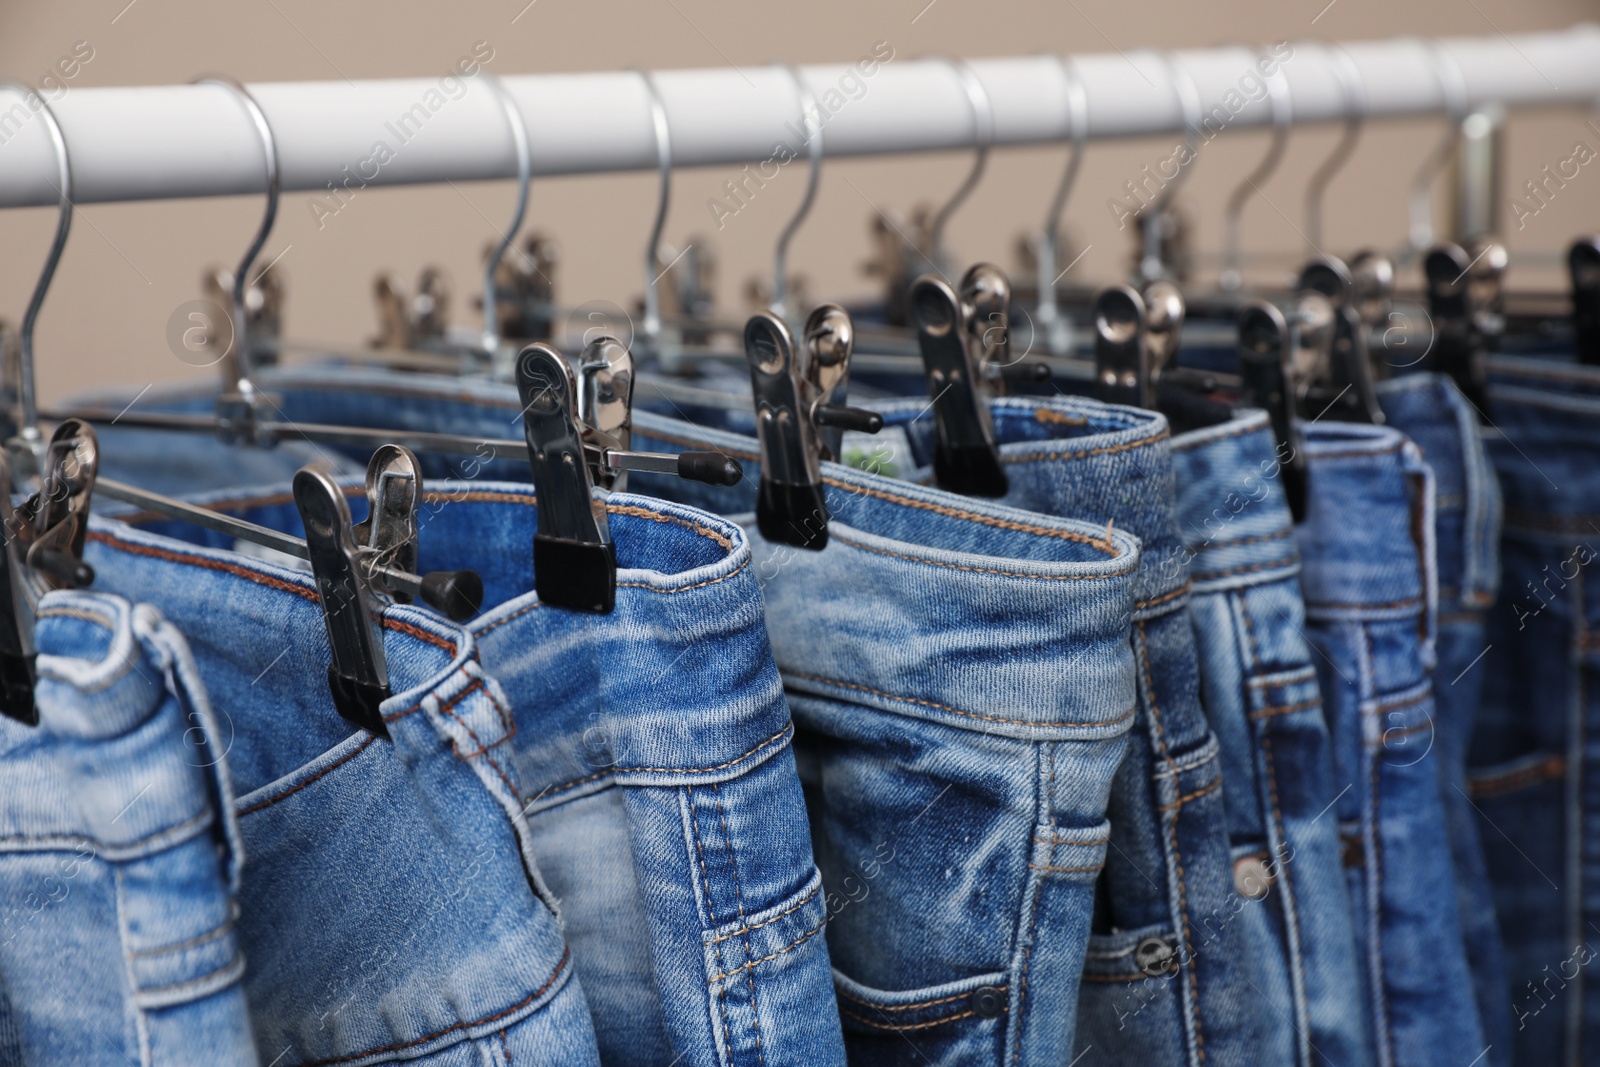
(1263, 702)
(119, 853)
(390, 906)
(650, 752)
(1368, 572)
(1533, 761)
(956, 735)
(1169, 973)
(1430, 410)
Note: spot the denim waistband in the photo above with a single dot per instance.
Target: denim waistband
(1429, 409)
(1074, 456)
(1544, 414)
(995, 590)
(1231, 508)
(1367, 545)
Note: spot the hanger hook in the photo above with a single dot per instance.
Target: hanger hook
(519, 140)
(243, 357)
(652, 252)
(27, 393)
(982, 140)
(780, 257)
(1453, 90)
(1188, 94)
(1282, 118)
(1049, 312)
(1354, 92)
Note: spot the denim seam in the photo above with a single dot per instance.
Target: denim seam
(1058, 418)
(1181, 591)
(505, 1048)
(738, 896)
(1549, 769)
(1279, 535)
(1018, 1018)
(1187, 797)
(1247, 427)
(796, 943)
(1067, 870)
(1253, 568)
(768, 922)
(1393, 605)
(217, 974)
(483, 750)
(1119, 977)
(531, 998)
(972, 516)
(686, 588)
(340, 762)
(711, 912)
(909, 1007)
(256, 577)
(957, 711)
(513, 617)
(194, 942)
(906, 1026)
(613, 771)
(1285, 709)
(1150, 688)
(1104, 450)
(1282, 679)
(1070, 842)
(1287, 902)
(980, 570)
(1361, 453)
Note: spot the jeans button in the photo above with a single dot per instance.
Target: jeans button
(1252, 878)
(1155, 956)
(988, 1002)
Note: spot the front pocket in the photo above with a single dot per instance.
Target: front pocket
(959, 1022)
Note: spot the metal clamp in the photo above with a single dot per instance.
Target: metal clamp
(1266, 376)
(1136, 341)
(358, 676)
(966, 458)
(1458, 338)
(1335, 373)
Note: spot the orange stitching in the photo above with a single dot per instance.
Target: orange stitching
(1548, 769)
(768, 922)
(957, 711)
(1043, 414)
(738, 896)
(560, 965)
(1414, 602)
(987, 520)
(1408, 702)
(1103, 450)
(1285, 709)
(341, 761)
(982, 570)
(779, 736)
(802, 939)
(658, 516)
(711, 911)
(1150, 689)
(908, 1007)
(1298, 677)
(905, 1026)
(1164, 598)
(1196, 795)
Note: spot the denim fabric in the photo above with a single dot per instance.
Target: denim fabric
(390, 909)
(1430, 410)
(1168, 875)
(956, 734)
(1368, 573)
(962, 686)
(1533, 758)
(119, 853)
(1261, 697)
(650, 752)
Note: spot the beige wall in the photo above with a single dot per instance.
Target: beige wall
(129, 266)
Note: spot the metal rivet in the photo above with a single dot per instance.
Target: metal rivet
(1252, 878)
(1155, 956)
(988, 1002)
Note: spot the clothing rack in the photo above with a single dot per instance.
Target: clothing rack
(162, 142)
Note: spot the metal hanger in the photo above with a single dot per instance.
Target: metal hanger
(1332, 367)
(1153, 220)
(519, 139)
(982, 141)
(29, 444)
(1453, 91)
(652, 252)
(801, 418)
(238, 407)
(1056, 330)
(780, 256)
(1353, 90)
(1282, 118)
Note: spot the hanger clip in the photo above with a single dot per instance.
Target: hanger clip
(1267, 373)
(1136, 342)
(1332, 366)
(986, 299)
(358, 676)
(44, 551)
(387, 539)
(1458, 340)
(966, 458)
(574, 560)
(801, 418)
